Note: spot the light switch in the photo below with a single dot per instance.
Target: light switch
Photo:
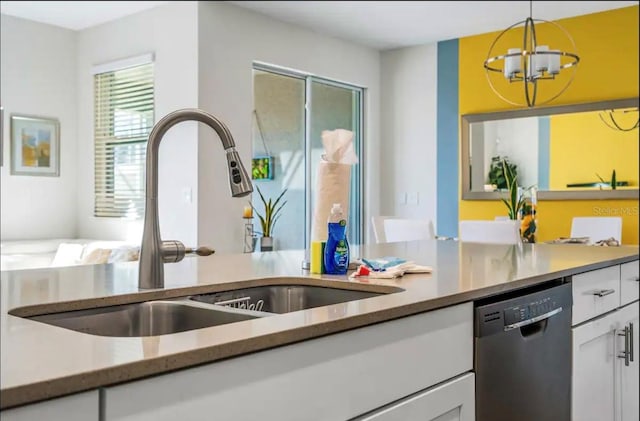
(413, 198)
(402, 198)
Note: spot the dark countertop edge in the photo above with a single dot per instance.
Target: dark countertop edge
(36, 392)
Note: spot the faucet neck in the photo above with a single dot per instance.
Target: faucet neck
(162, 126)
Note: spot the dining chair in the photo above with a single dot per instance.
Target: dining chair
(597, 227)
(490, 232)
(390, 229)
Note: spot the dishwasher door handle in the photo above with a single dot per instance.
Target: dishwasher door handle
(533, 320)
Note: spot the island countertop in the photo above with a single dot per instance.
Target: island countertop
(40, 361)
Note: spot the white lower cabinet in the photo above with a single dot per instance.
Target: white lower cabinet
(603, 387)
(628, 368)
(450, 401)
(79, 407)
(333, 378)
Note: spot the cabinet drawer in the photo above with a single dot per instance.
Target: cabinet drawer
(629, 282)
(595, 292)
(453, 400)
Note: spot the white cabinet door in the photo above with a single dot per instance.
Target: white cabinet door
(594, 365)
(450, 401)
(628, 375)
(79, 407)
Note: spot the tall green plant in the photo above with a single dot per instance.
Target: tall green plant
(271, 214)
(515, 203)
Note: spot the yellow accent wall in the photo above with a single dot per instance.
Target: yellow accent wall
(607, 44)
(582, 147)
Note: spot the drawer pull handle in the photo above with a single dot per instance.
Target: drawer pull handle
(631, 341)
(604, 292)
(626, 352)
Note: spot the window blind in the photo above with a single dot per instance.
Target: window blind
(123, 119)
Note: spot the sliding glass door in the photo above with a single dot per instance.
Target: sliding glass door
(290, 112)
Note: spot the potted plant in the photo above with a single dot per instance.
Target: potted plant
(497, 172)
(518, 207)
(268, 218)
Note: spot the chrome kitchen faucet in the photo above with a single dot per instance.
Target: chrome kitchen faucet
(153, 251)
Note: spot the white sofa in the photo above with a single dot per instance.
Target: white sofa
(31, 254)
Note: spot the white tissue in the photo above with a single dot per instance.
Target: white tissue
(333, 180)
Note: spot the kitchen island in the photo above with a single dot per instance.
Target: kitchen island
(41, 362)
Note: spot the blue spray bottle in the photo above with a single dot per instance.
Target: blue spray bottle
(336, 251)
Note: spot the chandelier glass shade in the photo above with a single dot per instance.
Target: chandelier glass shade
(531, 64)
(621, 120)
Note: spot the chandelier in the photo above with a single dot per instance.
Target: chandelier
(608, 117)
(531, 64)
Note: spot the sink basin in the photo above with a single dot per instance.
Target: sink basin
(149, 318)
(283, 298)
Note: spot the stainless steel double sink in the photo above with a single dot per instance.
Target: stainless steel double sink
(160, 317)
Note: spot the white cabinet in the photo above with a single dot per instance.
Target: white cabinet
(605, 363)
(627, 366)
(79, 407)
(335, 377)
(450, 401)
(594, 362)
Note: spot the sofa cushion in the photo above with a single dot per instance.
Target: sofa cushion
(68, 254)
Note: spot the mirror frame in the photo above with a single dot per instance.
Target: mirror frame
(467, 119)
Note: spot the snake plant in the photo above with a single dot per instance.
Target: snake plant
(515, 202)
(271, 214)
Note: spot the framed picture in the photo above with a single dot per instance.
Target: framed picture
(35, 146)
(262, 168)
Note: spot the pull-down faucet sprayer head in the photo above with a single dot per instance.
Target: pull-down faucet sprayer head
(238, 179)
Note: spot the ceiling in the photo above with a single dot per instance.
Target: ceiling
(378, 24)
(75, 15)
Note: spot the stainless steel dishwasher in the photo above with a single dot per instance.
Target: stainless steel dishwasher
(522, 356)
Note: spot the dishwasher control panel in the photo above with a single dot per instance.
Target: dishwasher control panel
(523, 312)
(518, 311)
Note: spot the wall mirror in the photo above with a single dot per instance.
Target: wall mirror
(568, 152)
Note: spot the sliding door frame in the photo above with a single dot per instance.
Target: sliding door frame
(359, 133)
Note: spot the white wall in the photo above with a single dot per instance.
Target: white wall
(230, 39)
(171, 33)
(516, 139)
(37, 72)
(408, 132)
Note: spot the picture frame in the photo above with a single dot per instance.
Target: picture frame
(262, 168)
(35, 146)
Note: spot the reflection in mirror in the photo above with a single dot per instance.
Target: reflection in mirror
(575, 151)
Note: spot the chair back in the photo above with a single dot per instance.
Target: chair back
(490, 232)
(390, 229)
(597, 227)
